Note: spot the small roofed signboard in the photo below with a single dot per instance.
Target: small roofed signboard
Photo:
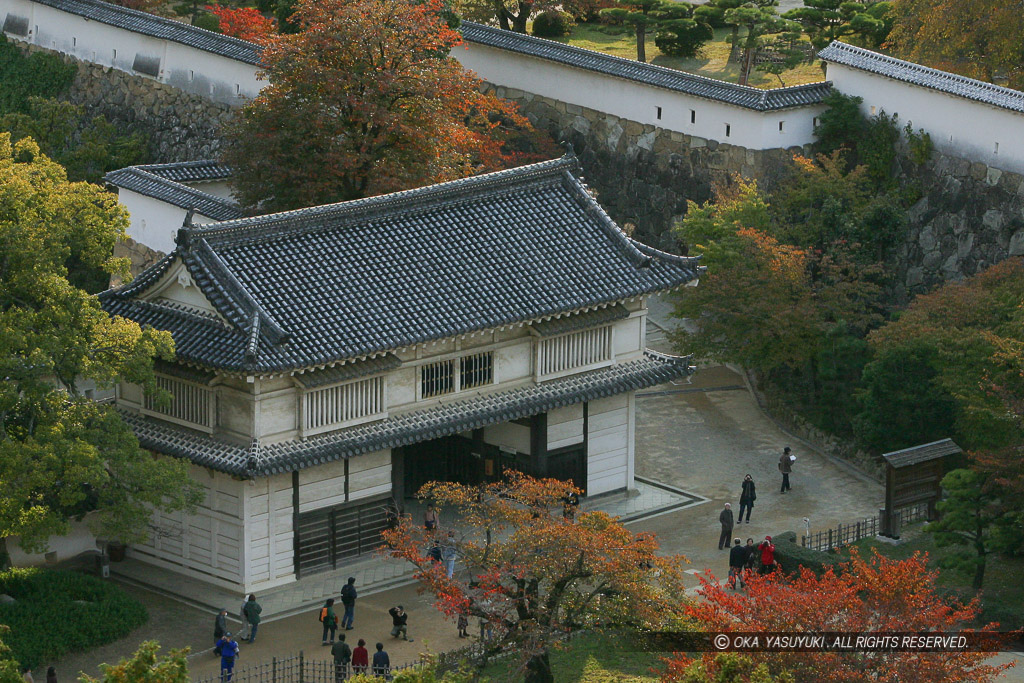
(914, 476)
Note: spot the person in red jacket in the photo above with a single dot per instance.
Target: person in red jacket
(767, 555)
(360, 658)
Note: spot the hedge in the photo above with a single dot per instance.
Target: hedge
(552, 24)
(791, 555)
(60, 611)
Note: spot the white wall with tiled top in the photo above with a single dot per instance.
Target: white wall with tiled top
(957, 126)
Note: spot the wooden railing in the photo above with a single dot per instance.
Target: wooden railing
(851, 532)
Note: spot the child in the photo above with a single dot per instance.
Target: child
(463, 625)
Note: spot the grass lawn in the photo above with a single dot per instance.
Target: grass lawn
(712, 62)
(593, 659)
(1003, 593)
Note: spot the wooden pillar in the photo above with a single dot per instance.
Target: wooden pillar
(295, 522)
(539, 445)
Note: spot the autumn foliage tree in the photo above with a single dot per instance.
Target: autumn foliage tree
(365, 100)
(875, 595)
(535, 576)
(247, 23)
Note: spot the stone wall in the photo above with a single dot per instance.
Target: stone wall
(969, 217)
(642, 174)
(180, 126)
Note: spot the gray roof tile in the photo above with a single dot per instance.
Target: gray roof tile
(159, 27)
(349, 371)
(145, 182)
(190, 171)
(400, 430)
(359, 278)
(922, 453)
(650, 74)
(968, 88)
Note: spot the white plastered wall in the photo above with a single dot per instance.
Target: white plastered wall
(153, 222)
(957, 126)
(610, 425)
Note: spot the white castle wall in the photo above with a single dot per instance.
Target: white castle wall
(971, 130)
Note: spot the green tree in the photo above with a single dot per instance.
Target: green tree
(828, 20)
(9, 670)
(86, 148)
(640, 15)
(145, 666)
(61, 454)
(398, 112)
(713, 14)
(728, 667)
(759, 21)
(975, 521)
(679, 32)
(24, 75)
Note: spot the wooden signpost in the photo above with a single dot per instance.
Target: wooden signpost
(913, 476)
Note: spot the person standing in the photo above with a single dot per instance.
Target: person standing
(399, 623)
(26, 675)
(252, 616)
(244, 633)
(348, 600)
(431, 520)
(751, 550)
(220, 626)
(342, 654)
(330, 621)
(381, 661)
(449, 554)
(737, 558)
(51, 675)
(725, 519)
(786, 467)
(463, 624)
(360, 658)
(228, 651)
(748, 495)
(767, 549)
(435, 553)
(570, 504)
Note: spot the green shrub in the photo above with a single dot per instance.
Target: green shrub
(59, 611)
(552, 24)
(24, 75)
(791, 555)
(207, 21)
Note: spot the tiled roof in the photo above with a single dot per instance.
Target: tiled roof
(159, 27)
(969, 88)
(190, 171)
(659, 76)
(359, 278)
(581, 321)
(145, 182)
(922, 453)
(400, 430)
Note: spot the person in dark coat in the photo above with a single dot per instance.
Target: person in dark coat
(381, 661)
(348, 599)
(252, 615)
(220, 626)
(737, 558)
(399, 623)
(747, 497)
(725, 518)
(342, 654)
(786, 467)
(51, 675)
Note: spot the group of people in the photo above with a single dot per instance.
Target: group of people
(51, 675)
(745, 557)
(357, 660)
(224, 644)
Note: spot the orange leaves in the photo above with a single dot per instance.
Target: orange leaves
(866, 595)
(244, 22)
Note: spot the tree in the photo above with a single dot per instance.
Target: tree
(727, 667)
(679, 32)
(145, 666)
(9, 672)
(828, 20)
(759, 20)
(62, 454)
(713, 14)
(975, 517)
(246, 23)
(536, 576)
(980, 39)
(640, 15)
(877, 595)
(366, 100)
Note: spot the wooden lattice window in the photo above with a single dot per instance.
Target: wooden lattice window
(191, 404)
(476, 370)
(574, 352)
(341, 405)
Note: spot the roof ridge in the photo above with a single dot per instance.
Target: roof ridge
(181, 187)
(667, 256)
(635, 256)
(294, 221)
